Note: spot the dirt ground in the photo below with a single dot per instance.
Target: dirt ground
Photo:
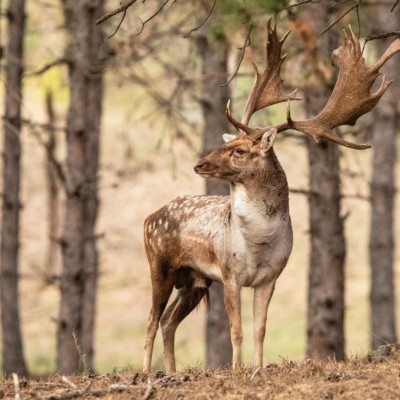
(374, 377)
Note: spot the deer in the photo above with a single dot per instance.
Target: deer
(245, 239)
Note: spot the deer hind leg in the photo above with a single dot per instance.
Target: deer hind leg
(188, 297)
(261, 300)
(162, 288)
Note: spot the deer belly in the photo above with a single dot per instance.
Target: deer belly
(206, 270)
(213, 272)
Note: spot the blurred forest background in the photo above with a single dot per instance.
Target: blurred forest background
(155, 73)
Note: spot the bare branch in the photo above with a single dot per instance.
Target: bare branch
(149, 390)
(380, 36)
(355, 6)
(309, 192)
(46, 67)
(257, 370)
(118, 26)
(40, 125)
(152, 16)
(247, 43)
(356, 196)
(56, 164)
(394, 5)
(68, 382)
(203, 22)
(305, 192)
(116, 11)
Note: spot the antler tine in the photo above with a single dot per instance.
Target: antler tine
(355, 43)
(266, 89)
(350, 98)
(234, 121)
(252, 132)
(336, 139)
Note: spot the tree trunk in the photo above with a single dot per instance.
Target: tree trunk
(214, 99)
(381, 246)
(13, 359)
(79, 252)
(52, 194)
(325, 319)
(325, 329)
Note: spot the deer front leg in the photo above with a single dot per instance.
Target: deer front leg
(262, 297)
(232, 304)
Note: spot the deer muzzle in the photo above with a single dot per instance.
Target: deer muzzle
(201, 166)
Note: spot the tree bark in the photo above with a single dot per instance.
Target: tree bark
(12, 349)
(79, 252)
(214, 98)
(325, 319)
(381, 246)
(52, 194)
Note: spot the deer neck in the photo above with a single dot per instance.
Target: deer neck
(260, 203)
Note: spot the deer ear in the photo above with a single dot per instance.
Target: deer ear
(227, 137)
(268, 139)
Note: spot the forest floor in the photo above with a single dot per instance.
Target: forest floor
(374, 377)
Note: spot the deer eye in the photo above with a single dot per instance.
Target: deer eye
(239, 152)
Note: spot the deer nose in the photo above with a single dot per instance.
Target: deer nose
(199, 166)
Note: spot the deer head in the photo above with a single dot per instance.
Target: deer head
(350, 99)
(237, 159)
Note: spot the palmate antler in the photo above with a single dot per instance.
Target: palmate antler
(350, 98)
(266, 89)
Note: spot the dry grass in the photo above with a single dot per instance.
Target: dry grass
(373, 378)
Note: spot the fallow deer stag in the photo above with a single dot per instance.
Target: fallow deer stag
(245, 239)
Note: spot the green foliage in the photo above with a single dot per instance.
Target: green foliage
(236, 14)
(250, 7)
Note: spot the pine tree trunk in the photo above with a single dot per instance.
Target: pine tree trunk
(381, 246)
(52, 194)
(325, 330)
(214, 99)
(325, 319)
(79, 252)
(12, 349)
